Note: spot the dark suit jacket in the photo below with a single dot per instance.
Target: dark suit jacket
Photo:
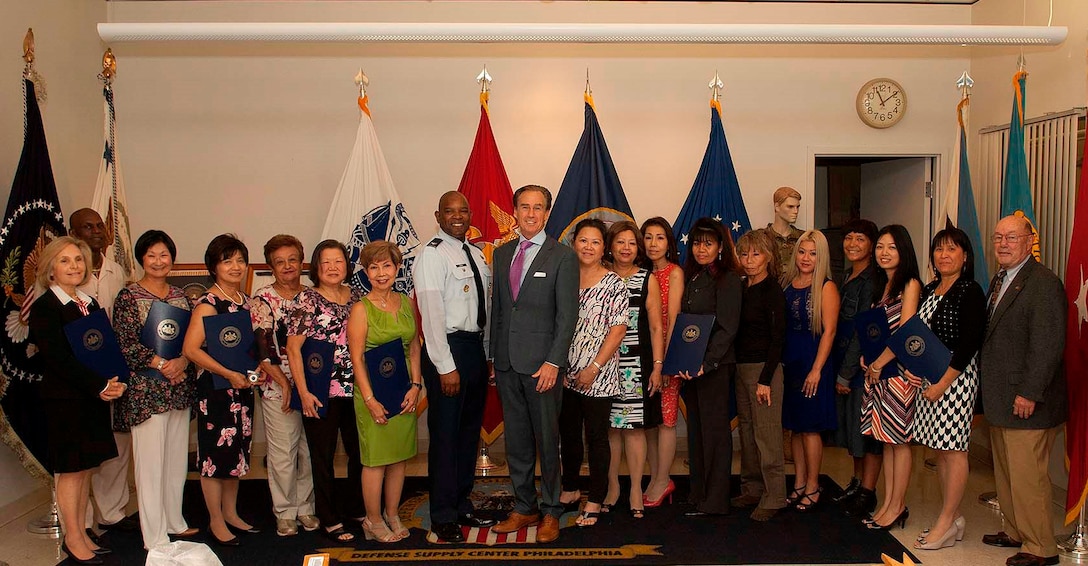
(1022, 351)
(63, 377)
(539, 326)
(721, 297)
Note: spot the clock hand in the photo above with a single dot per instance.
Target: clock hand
(882, 99)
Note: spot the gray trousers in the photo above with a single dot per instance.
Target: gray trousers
(531, 422)
(762, 472)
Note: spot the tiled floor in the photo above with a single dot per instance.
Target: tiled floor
(19, 548)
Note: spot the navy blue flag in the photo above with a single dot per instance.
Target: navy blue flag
(32, 220)
(715, 192)
(591, 188)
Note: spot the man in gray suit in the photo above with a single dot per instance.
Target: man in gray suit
(1023, 390)
(534, 309)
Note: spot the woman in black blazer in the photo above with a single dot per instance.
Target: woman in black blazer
(74, 398)
(713, 286)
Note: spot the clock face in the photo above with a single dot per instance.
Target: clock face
(881, 103)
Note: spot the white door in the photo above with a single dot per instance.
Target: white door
(894, 192)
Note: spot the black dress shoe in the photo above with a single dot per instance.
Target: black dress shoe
(1026, 559)
(128, 524)
(94, 538)
(1001, 539)
(448, 532)
(240, 531)
(229, 542)
(102, 551)
(94, 559)
(849, 492)
(471, 520)
(863, 503)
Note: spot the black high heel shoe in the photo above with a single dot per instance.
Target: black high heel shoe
(220, 542)
(901, 520)
(94, 559)
(240, 531)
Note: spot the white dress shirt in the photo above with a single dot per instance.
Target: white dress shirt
(105, 286)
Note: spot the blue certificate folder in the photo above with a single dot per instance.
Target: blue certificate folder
(95, 345)
(919, 350)
(873, 333)
(388, 372)
(231, 343)
(164, 331)
(687, 347)
(317, 363)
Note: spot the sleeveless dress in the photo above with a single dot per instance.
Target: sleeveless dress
(670, 394)
(800, 413)
(395, 441)
(224, 417)
(633, 407)
(888, 407)
(946, 424)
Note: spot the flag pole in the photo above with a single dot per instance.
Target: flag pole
(1075, 548)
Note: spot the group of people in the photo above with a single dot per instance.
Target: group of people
(575, 338)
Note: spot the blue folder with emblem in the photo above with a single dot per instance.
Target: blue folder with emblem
(230, 342)
(873, 333)
(164, 331)
(95, 345)
(687, 346)
(388, 372)
(919, 350)
(317, 363)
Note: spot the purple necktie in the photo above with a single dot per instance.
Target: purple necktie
(517, 267)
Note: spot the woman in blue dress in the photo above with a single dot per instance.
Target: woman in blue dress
(808, 405)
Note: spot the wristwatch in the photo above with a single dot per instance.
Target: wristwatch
(419, 385)
(162, 362)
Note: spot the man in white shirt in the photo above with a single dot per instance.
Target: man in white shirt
(452, 283)
(109, 484)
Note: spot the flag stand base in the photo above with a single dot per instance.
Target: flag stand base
(485, 466)
(49, 525)
(989, 499)
(1075, 548)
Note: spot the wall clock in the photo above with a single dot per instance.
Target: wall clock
(881, 103)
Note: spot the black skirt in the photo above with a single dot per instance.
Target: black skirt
(79, 433)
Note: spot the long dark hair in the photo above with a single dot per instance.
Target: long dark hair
(960, 239)
(908, 262)
(707, 229)
(672, 253)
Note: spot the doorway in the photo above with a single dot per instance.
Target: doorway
(884, 189)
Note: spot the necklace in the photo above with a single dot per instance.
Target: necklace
(631, 271)
(241, 297)
(383, 302)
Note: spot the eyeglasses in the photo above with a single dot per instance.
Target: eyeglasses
(1012, 238)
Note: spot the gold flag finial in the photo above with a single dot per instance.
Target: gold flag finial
(28, 47)
(109, 66)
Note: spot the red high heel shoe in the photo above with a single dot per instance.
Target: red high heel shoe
(671, 487)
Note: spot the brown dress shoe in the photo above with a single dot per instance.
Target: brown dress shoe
(1025, 559)
(516, 521)
(548, 530)
(1001, 539)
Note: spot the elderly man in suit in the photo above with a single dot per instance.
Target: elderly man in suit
(1023, 390)
(533, 315)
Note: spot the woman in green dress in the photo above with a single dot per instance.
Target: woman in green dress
(387, 435)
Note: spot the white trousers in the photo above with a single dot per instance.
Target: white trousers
(161, 446)
(290, 478)
(109, 484)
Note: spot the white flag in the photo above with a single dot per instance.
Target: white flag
(109, 194)
(366, 207)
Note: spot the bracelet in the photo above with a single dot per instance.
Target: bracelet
(162, 362)
(419, 385)
(367, 400)
(598, 366)
(659, 363)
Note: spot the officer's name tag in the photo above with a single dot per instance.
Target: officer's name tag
(540, 274)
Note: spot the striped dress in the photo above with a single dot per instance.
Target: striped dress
(633, 408)
(888, 406)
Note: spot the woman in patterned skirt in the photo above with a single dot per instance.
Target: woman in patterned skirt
(954, 306)
(592, 378)
(322, 315)
(662, 258)
(642, 354)
(888, 413)
(808, 397)
(224, 418)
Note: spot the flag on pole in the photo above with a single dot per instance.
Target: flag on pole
(958, 209)
(487, 189)
(1016, 189)
(109, 198)
(1076, 354)
(32, 220)
(366, 207)
(716, 191)
(591, 188)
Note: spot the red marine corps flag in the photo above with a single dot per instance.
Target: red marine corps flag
(1076, 353)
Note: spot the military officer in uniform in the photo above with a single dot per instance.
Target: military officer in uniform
(452, 283)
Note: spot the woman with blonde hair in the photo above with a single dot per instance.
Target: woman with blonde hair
(808, 405)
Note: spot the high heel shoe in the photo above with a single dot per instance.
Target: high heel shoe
(795, 496)
(960, 524)
(396, 526)
(240, 531)
(379, 532)
(947, 539)
(900, 520)
(94, 559)
(671, 487)
(812, 503)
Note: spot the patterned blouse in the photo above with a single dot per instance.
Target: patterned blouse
(600, 307)
(321, 319)
(269, 312)
(149, 393)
